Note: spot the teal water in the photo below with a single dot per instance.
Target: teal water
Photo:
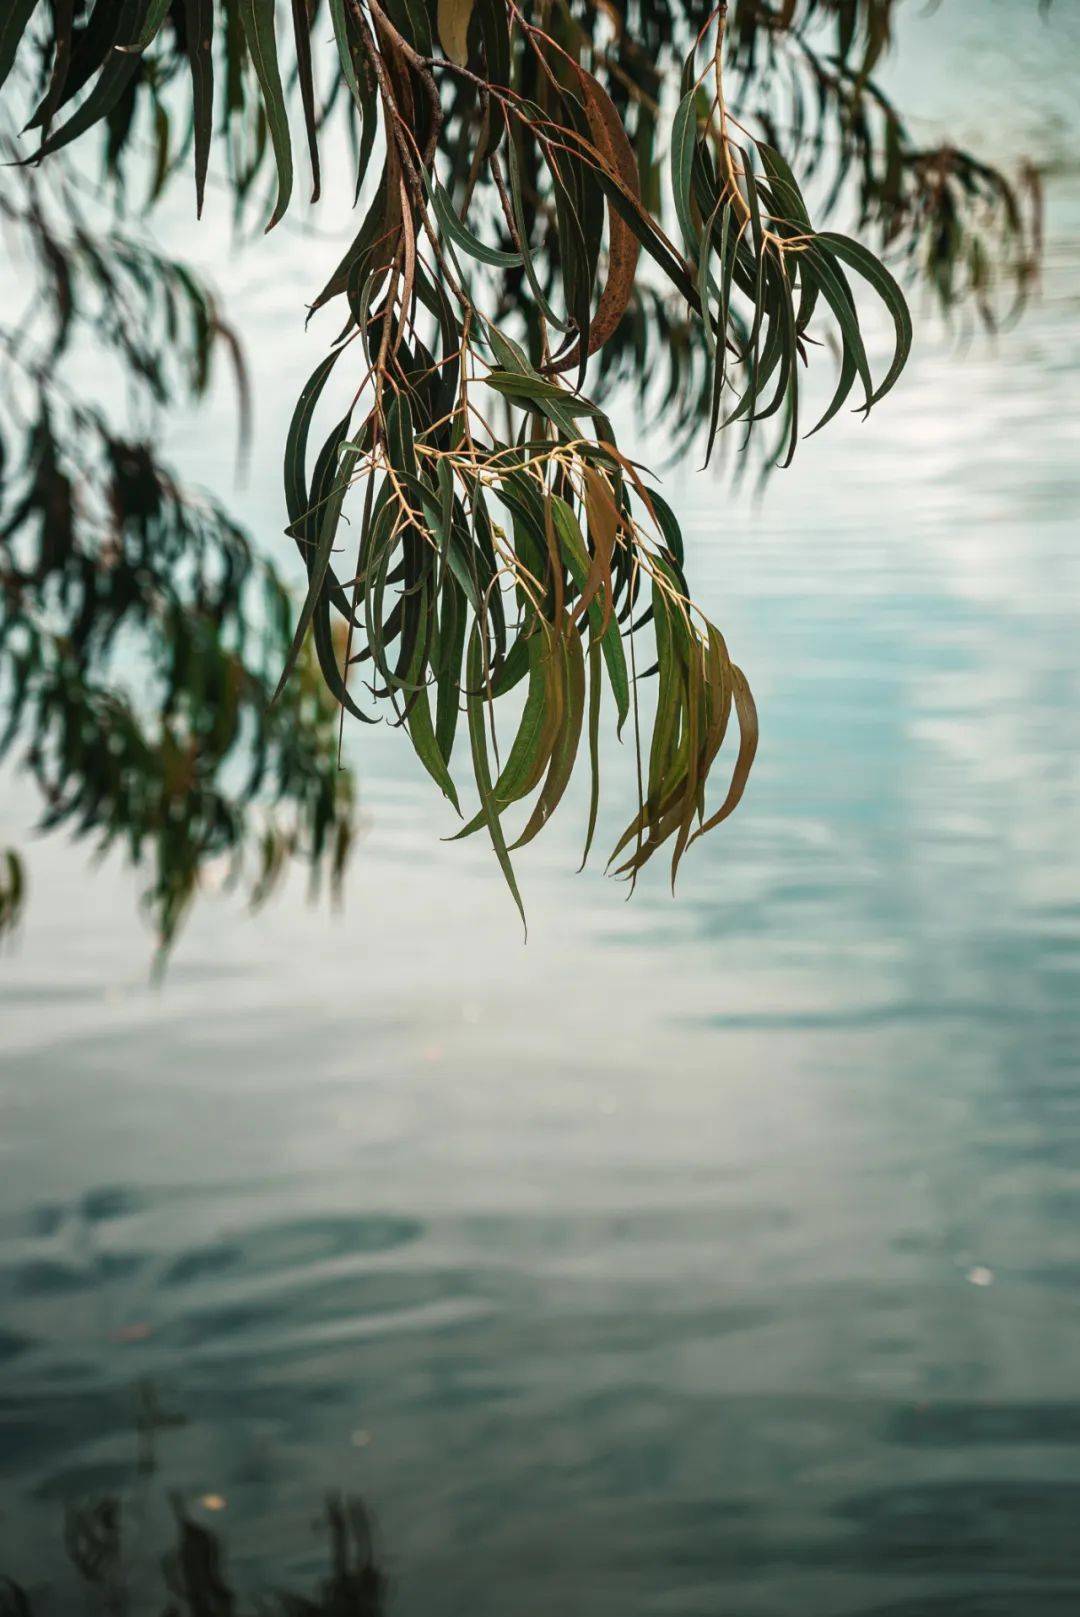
(707, 1255)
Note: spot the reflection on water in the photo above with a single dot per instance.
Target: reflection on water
(103, 1574)
(707, 1257)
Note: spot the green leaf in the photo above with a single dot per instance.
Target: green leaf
(87, 50)
(360, 251)
(649, 237)
(449, 656)
(577, 274)
(789, 365)
(339, 18)
(665, 723)
(555, 402)
(462, 236)
(12, 27)
(296, 439)
(533, 741)
(410, 18)
(837, 294)
(785, 187)
(538, 391)
(328, 528)
(302, 40)
(64, 33)
(419, 726)
(399, 433)
(564, 752)
(495, 32)
(156, 12)
(884, 284)
(522, 229)
(115, 76)
(595, 693)
(748, 741)
(577, 560)
(475, 704)
(683, 141)
(303, 519)
(706, 285)
(199, 22)
(257, 17)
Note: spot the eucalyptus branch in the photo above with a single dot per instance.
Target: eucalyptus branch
(537, 232)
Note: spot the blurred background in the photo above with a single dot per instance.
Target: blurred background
(714, 1254)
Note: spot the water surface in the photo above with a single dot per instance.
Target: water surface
(714, 1255)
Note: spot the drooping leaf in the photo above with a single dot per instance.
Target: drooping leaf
(302, 40)
(475, 703)
(464, 238)
(64, 29)
(454, 17)
(617, 155)
(876, 275)
(199, 25)
(420, 728)
(257, 17)
(564, 751)
(119, 68)
(154, 15)
(327, 531)
(13, 22)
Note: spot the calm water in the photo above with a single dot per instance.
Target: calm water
(707, 1256)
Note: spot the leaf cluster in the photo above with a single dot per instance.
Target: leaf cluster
(140, 637)
(539, 186)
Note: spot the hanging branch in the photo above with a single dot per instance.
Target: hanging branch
(521, 218)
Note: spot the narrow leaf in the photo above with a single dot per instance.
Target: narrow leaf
(257, 17)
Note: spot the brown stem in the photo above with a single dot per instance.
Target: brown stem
(420, 67)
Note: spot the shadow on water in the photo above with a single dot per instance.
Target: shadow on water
(194, 1574)
(979, 1542)
(746, 1504)
(699, 1409)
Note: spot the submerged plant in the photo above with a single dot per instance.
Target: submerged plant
(543, 184)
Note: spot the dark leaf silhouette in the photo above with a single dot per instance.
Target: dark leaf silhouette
(140, 636)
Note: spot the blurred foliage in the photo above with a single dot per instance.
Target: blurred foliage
(140, 638)
(635, 179)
